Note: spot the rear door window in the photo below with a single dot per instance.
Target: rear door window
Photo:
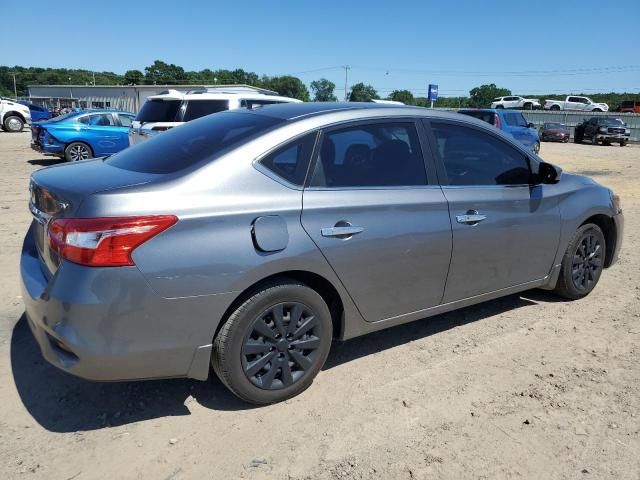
(370, 155)
(156, 110)
(200, 108)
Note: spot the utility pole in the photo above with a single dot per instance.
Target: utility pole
(15, 90)
(94, 78)
(346, 81)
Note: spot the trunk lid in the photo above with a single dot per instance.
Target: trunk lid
(57, 192)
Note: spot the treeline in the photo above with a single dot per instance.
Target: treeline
(161, 73)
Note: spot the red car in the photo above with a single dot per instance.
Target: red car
(554, 132)
(630, 106)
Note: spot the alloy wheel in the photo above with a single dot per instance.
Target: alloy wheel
(587, 261)
(281, 346)
(78, 152)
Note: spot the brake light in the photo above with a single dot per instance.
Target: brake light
(104, 242)
(497, 122)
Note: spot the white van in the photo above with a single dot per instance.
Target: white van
(172, 108)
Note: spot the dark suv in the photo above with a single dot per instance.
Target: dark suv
(602, 129)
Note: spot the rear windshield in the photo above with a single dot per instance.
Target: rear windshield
(200, 108)
(159, 111)
(191, 143)
(488, 117)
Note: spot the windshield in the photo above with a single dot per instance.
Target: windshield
(488, 117)
(550, 125)
(192, 142)
(612, 122)
(157, 110)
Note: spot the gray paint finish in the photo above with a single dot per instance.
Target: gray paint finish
(410, 258)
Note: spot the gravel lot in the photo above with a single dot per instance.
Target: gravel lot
(528, 386)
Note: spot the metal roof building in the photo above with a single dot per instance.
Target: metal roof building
(120, 97)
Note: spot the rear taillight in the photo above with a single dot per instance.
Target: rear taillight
(104, 242)
(497, 120)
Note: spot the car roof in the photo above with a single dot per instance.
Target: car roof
(493, 110)
(291, 111)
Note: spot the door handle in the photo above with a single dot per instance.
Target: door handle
(472, 217)
(341, 230)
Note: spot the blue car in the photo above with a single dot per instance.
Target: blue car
(81, 135)
(510, 122)
(38, 113)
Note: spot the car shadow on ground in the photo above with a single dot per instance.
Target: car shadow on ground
(46, 162)
(60, 402)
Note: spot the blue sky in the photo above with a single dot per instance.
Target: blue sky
(528, 47)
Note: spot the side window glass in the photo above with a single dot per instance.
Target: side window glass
(291, 161)
(374, 155)
(101, 120)
(125, 120)
(473, 157)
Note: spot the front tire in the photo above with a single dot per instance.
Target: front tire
(274, 344)
(623, 143)
(76, 151)
(13, 124)
(536, 148)
(582, 263)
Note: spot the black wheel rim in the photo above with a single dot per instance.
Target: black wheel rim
(281, 346)
(587, 262)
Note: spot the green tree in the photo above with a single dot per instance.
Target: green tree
(323, 90)
(133, 77)
(363, 93)
(483, 95)
(404, 96)
(287, 86)
(164, 73)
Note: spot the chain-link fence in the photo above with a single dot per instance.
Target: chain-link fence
(571, 119)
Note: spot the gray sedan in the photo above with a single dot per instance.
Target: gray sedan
(249, 240)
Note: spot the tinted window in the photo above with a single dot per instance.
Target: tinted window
(472, 157)
(159, 111)
(125, 120)
(200, 108)
(515, 119)
(192, 143)
(488, 117)
(291, 161)
(98, 120)
(379, 154)
(252, 104)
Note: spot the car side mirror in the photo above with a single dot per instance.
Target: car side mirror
(531, 125)
(548, 173)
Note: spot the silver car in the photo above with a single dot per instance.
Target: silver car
(248, 240)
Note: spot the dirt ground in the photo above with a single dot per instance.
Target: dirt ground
(528, 386)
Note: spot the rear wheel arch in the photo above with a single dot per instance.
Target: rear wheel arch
(316, 282)
(608, 227)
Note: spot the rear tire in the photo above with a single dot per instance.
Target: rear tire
(13, 124)
(499, 107)
(259, 353)
(582, 263)
(555, 108)
(76, 151)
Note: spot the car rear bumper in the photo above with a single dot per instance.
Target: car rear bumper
(48, 149)
(107, 324)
